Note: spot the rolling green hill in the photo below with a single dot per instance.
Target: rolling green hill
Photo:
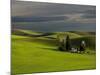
(32, 54)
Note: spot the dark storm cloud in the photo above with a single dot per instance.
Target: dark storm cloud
(20, 8)
(38, 19)
(90, 14)
(68, 12)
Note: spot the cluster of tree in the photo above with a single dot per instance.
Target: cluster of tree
(65, 45)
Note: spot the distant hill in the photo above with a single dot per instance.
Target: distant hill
(75, 36)
(37, 19)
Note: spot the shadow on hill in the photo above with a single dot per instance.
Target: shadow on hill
(50, 37)
(51, 49)
(48, 48)
(49, 42)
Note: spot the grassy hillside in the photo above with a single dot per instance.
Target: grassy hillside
(31, 54)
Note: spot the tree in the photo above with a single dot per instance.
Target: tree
(82, 46)
(68, 43)
(61, 45)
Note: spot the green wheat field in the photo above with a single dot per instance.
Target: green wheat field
(34, 52)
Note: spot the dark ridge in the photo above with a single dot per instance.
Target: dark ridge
(18, 32)
(37, 19)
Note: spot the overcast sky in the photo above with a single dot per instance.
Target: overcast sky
(77, 13)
